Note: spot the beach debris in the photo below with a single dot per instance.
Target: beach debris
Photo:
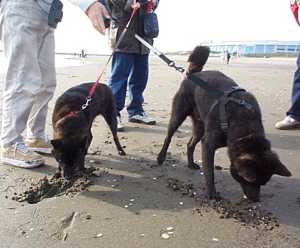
(248, 214)
(49, 187)
(184, 188)
(99, 235)
(166, 233)
(165, 236)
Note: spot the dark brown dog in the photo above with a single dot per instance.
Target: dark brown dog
(72, 126)
(252, 161)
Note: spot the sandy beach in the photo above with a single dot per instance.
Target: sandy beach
(133, 203)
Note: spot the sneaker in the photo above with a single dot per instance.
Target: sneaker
(142, 118)
(20, 156)
(288, 123)
(39, 145)
(120, 126)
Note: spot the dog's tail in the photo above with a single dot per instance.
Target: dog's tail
(199, 56)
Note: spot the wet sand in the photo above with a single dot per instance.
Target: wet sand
(133, 202)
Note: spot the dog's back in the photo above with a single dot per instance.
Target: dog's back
(244, 117)
(75, 97)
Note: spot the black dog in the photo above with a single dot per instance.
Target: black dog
(232, 119)
(72, 126)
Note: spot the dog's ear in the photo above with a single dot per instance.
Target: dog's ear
(277, 167)
(56, 143)
(245, 166)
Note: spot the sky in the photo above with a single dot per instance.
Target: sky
(186, 23)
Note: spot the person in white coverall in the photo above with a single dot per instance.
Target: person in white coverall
(30, 77)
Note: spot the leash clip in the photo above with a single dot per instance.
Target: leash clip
(180, 69)
(177, 68)
(88, 100)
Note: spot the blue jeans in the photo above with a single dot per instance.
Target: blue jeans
(294, 110)
(130, 70)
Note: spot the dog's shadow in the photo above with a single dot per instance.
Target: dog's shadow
(137, 183)
(136, 177)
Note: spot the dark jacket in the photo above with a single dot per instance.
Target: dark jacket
(120, 11)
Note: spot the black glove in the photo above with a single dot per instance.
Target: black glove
(55, 13)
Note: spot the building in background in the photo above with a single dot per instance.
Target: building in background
(255, 48)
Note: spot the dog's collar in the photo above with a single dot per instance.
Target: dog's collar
(72, 114)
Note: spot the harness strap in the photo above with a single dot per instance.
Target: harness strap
(223, 102)
(201, 83)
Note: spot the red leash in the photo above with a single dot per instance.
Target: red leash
(295, 9)
(94, 86)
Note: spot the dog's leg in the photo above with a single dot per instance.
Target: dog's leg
(58, 172)
(111, 120)
(178, 115)
(208, 153)
(198, 131)
(86, 146)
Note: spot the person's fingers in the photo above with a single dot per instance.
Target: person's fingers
(96, 12)
(105, 13)
(99, 23)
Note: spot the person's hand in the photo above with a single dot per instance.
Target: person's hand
(97, 13)
(135, 4)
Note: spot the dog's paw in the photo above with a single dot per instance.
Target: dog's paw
(193, 166)
(214, 196)
(122, 153)
(160, 160)
(57, 174)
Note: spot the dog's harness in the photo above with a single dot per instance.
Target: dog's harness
(224, 100)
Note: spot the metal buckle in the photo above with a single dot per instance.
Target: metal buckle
(177, 68)
(88, 100)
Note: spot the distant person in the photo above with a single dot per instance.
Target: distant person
(228, 56)
(30, 78)
(83, 53)
(292, 119)
(130, 65)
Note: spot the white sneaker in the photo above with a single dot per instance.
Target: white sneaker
(288, 123)
(39, 145)
(142, 118)
(20, 156)
(120, 126)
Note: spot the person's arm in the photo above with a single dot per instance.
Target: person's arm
(96, 12)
